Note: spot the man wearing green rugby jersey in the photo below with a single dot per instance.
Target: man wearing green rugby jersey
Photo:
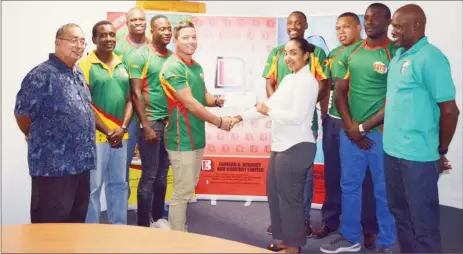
(182, 79)
(348, 29)
(361, 83)
(136, 24)
(150, 104)
(276, 69)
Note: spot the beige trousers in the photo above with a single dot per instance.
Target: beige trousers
(186, 167)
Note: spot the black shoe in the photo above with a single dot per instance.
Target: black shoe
(369, 240)
(308, 228)
(269, 230)
(322, 232)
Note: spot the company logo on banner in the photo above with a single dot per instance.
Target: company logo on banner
(233, 52)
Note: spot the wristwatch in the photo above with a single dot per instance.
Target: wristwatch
(362, 131)
(124, 128)
(443, 151)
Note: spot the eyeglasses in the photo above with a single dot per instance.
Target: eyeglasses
(75, 41)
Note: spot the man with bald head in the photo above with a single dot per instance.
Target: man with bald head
(420, 119)
(136, 24)
(360, 92)
(53, 110)
(274, 72)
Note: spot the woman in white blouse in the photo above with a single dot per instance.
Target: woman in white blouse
(293, 147)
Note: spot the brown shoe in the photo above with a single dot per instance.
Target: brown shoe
(369, 240)
(269, 230)
(322, 232)
(308, 228)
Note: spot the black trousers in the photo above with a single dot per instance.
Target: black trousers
(286, 180)
(60, 199)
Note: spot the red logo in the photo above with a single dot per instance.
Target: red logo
(379, 67)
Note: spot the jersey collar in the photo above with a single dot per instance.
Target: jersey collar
(418, 45)
(95, 60)
(382, 45)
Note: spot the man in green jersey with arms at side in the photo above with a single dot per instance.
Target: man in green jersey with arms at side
(136, 24)
(276, 69)
(151, 107)
(361, 82)
(348, 29)
(108, 81)
(182, 79)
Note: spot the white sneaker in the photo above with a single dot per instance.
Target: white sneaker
(162, 224)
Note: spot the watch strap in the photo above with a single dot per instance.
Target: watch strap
(443, 151)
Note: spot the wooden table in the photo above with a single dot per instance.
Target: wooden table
(87, 238)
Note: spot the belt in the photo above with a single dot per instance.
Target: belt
(164, 120)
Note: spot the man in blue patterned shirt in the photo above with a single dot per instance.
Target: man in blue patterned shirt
(53, 110)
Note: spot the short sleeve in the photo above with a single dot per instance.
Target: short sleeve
(438, 77)
(341, 64)
(321, 69)
(85, 66)
(271, 65)
(174, 76)
(136, 63)
(31, 94)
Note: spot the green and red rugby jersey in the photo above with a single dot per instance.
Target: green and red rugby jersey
(184, 131)
(276, 69)
(125, 47)
(366, 69)
(145, 63)
(109, 88)
(332, 57)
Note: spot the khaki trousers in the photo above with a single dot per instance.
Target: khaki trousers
(186, 167)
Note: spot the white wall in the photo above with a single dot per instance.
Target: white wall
(28, 30)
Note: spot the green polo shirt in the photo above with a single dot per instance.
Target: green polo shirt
(418, 80)
(109, 88)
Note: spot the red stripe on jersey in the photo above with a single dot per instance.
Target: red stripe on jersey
(188, 127)
(147, 97)
(108, 116)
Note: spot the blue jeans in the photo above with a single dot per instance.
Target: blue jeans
(308, 188)
(331, 209)
(153, 183)
(354, 163)
(131, 144)
(110, 169)
(414, 201)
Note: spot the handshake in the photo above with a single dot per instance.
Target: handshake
(227, 123)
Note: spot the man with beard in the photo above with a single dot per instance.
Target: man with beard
(419, 123)
(108, 81)
(276, 69)
(53, 110)
(136, 24)
(151, 107)
(348, 29)
(360, 97)
(182, 79)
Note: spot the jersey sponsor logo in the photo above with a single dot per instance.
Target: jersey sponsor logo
(404, 66)
(379, 67)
